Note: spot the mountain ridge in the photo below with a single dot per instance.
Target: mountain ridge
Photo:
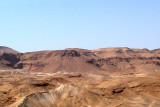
(117, 59)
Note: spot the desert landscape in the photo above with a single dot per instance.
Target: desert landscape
(105, 77)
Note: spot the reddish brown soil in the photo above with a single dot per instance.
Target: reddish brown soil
(108, 77)
(80, 60)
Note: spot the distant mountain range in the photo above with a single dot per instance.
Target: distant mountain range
(118, 59)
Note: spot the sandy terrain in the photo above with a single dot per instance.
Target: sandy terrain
(78, 89)
(107, 77)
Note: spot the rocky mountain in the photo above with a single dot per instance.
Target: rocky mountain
(119, 59)
(60, 60)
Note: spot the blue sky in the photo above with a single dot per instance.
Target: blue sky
(32, 25)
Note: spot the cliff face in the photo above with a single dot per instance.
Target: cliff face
(126, 59)
(80, 60)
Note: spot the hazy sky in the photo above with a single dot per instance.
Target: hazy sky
(31, 25)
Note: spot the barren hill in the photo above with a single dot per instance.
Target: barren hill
(4, 49)
(8, 57)
(120, 59)
(60, 60)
